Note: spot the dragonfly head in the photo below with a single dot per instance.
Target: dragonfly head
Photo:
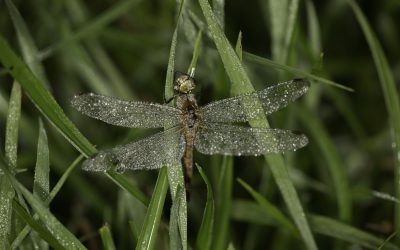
(183, 84)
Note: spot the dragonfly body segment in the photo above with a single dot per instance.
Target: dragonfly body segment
(209, 129)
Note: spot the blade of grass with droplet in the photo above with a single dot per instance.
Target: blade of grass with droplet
(266, 62)
(196, 52)
(390, 94)
(11, 144)
(175, 241)
(270, 209)
(151, 222)
(205, 234)
(335, 164)
(219, 10)
(36, 226)
(42, 99)
(41, 182)
(106, 238)
(21, 236)
(26, 43)
(223, 205)
(240, 84)
(55, 227)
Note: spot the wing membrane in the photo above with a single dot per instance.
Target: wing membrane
(126, 113)
(153, 152)
(271, 99)
(215, 138)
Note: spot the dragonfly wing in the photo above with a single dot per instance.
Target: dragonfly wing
(215, 138)
(126, 113)
(245, 107)
(153, 152)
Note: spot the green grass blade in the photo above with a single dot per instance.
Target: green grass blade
(21, 236)
(266, 62)
(151, 222)
(219, 10)
(205, 234)
(339, 230)
(223, 205)
(319, 224)
(124, 183)
(92, 27)
(11, 144)
(41, 184)
(55, 227)
(270, 209)
(283, 16)
(240, 84)
(135, 231)
(42, 99)
(335, 164)
(35, 225)
(196, 52)
(175, 241)
(313, 29)
(26, 43)
(390, 94)
(106, 238)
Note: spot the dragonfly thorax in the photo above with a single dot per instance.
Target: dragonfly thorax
(184, 84)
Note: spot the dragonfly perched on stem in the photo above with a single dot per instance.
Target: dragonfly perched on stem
(210, 129)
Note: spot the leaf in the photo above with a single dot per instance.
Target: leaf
(41, 184)
(273, 211)
(55, 228)
(6, 190)
(106, 238)
(151, 222)
(205, 234)
(223, 204)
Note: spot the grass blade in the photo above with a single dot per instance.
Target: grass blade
(11, 144)
(35, 225)
(26, 43)
(41, 184)
(390, 94)
(21, 236)
(204, 236)
(175, 241)
(267, 62)
(339, 230)
(42, 99)
(270, 209)
(223, 205)
(56, 228)
(106, 238)
(335, 164)
(241, 84)
(151, 222)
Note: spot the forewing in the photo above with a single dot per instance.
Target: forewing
(245, 107)
(126, 113)
(227, 139)
(161, 149)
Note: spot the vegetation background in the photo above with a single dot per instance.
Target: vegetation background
(340, 192)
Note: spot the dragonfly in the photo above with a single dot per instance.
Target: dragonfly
(216, 128)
